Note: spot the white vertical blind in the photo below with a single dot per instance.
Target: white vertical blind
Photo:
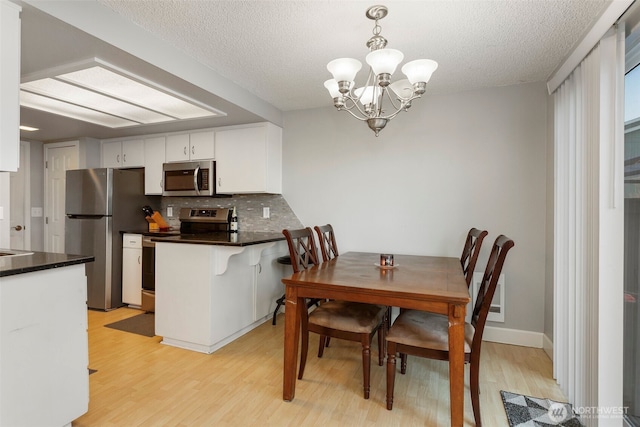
(588, 229)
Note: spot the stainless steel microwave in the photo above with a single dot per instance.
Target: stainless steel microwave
(197, 178)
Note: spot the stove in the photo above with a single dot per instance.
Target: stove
(204, 220)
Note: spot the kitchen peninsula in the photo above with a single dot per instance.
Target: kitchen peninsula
(44, 353)
(213, 288)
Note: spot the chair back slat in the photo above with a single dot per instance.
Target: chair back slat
(327, 241)
(470, 252)
(487, 289)
(302, 248)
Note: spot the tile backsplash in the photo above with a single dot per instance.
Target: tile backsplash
(248, 207)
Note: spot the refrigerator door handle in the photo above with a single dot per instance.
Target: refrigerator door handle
(74, 216)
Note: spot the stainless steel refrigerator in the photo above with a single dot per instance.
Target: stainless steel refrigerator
(100, 204)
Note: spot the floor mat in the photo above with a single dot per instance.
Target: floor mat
(527, 411)
(141, 324)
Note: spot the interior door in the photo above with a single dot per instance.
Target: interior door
(58, 159)
(20, 230)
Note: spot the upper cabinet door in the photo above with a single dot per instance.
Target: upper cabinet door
(249, 159)
(178, 149)
(133, 153)
(112, 154)
(154, 157)
(202, 145)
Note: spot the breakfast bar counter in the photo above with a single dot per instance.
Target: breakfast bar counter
(242, 238)
(210, 291)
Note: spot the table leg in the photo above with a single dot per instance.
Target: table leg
(291, 340)
(456, 363)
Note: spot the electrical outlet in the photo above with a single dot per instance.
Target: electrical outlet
(265, 212)
(170, 211)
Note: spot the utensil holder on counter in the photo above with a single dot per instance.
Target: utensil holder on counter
(156, 222)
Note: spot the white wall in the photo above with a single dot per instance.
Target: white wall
(473, 159)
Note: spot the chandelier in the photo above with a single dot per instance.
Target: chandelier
(365, 102)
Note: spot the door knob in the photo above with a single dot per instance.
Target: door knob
(18, 227)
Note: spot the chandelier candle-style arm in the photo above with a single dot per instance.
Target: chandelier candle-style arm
(365, 103)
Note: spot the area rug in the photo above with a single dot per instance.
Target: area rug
(141, 324)
(527, 411)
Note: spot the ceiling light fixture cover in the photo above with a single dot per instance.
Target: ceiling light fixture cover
(109, 97)
(365, 102)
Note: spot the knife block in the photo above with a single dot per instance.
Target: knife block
(156, 222)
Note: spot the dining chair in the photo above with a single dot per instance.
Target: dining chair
(329, 250)
(351, 321)
(426, 334)
(327, 241)
(470, 252)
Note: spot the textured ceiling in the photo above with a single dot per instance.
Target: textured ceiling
(278, 50)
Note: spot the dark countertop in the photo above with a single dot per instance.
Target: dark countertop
(242, 238)
(30, 261)
(146, 232)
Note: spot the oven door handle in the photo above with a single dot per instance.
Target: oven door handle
(195, 180)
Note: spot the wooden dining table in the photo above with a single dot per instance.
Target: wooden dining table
(427, 283)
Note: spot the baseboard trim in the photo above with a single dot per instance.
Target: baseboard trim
(513, 337)
(547, 346)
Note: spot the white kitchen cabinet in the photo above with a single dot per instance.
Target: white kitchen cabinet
(9, 86)
(268, 282)
(249, 159)
(178, 148)
(44, 349)
(213, 301)
(190, 146)
(202, 145)
(132, 269)
(154, 157)
(123, 154)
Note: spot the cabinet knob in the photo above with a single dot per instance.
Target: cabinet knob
(124, 158)
(139, 260)
(193, 150)
(184, 151)
(118, 158)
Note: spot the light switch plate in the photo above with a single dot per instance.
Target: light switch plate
(170, 211)
(36, 212)
(266, 212)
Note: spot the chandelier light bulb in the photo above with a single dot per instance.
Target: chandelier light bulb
(384, 61)
(420, 70)
(402, 88)
(367, 95)
(332, 87)
(344, 69)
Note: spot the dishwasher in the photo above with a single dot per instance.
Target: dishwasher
(148, 275)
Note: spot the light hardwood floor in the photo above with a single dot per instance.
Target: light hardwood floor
(140, 382)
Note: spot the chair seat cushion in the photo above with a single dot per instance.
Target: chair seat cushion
(426, 330)
(348, 316)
